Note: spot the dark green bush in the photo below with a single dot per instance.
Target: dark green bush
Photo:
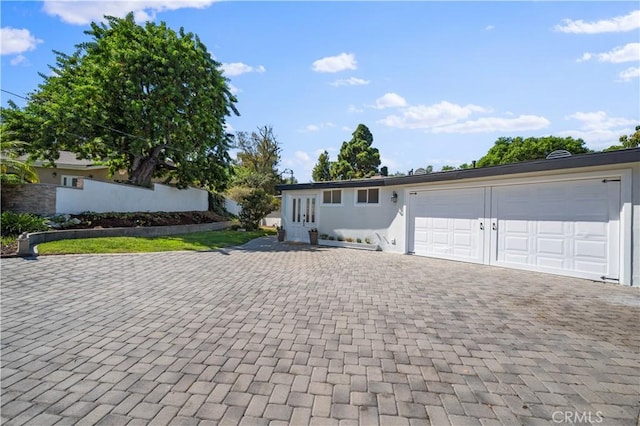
(17, 223)
(256, 204)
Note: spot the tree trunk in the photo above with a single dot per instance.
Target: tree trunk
(142, 174)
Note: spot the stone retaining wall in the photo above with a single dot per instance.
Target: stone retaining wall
(39, 198)
(27, 242)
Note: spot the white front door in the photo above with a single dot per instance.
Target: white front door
(448, 224)
(569, 228)
(303, 216)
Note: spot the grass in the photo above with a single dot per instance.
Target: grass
(193, 241)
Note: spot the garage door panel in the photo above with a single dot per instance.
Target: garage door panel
(551, 262)
(566, 227)
(592, 229)
(596, 250)
(447, 224)
(463, 240)
(597, 269)
(551, 228)
(515, 243)
(440, 238)
(551, 246)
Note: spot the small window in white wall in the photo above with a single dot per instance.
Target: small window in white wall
(368, 196)
(71, 181)
(333, 196)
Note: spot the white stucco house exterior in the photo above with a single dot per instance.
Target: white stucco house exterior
(577, 216)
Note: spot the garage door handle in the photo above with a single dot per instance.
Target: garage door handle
(481, 226)
(494, 226)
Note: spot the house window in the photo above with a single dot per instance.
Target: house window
(71, 181)
(368, 196)
(332, 196)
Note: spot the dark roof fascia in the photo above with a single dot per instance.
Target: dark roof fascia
(584, 160)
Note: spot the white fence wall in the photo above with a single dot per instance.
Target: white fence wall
(231, 206)
(102, 197)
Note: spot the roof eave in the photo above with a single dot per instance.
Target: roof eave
(584, 160)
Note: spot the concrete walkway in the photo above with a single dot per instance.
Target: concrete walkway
(290, 334)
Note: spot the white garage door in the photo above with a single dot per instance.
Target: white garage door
(446, 224)
(570, 228)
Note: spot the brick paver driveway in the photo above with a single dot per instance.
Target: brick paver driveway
(284, 334)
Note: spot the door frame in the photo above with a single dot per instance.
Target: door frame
(297, 228)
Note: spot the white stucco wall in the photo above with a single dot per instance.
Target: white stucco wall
(102, 197)
(382, 223)
(232, 207)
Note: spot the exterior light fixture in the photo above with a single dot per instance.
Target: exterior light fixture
(394, 197)
(54, 174)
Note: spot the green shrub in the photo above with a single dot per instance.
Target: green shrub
(256, 204)
(17, 223)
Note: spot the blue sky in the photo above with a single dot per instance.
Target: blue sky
(436, 82)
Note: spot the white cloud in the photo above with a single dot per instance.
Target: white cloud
(627, 53)
(316, 127)
(390, 100)
(353, 108)
(353, 81)
(585, 57)
(237, 68)
(599, 120)
(630, 74)
(598, 129)
(341, 62)
(495, 124)
(20, 59)
(329, 150)
(234, 90)
(489, 27)
(428, 116)
(15, 41)
(301, 163)
(81, 12)
(347, 129)
(302, 156)
(614, 25)
(391, 163)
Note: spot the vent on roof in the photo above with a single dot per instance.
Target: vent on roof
(420, 171)
(558, 153)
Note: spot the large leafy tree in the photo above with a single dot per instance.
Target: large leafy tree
(627, 141)
(322, 170)
(141, 98)
(257, 159)
(514, 150)
(357, 157)
(256, 175)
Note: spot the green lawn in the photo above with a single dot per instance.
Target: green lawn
(194, 241)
